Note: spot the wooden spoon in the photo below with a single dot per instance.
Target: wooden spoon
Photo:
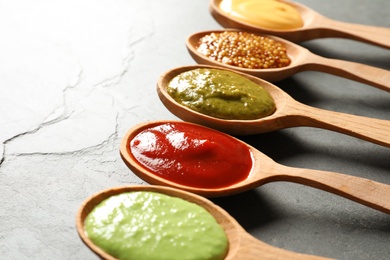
(289, 113)
(301, 60)
(315, 26)
(242, 245)
(367, 192)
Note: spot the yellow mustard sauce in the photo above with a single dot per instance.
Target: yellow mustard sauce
(270, 14)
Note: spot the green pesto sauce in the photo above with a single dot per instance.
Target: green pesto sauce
(148, 225)
(221, 94)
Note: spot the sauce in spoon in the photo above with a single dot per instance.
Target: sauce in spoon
(264, 170)
(288, 113)
(221, 94)
(192, 155)
(241, 244)
(272, 14)
(301, 60)
(314, 26)
(145, 225)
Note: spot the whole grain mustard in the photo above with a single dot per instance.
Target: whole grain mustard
(244, 50)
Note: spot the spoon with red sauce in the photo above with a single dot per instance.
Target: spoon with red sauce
(148, 155)
(288, 113)
(301, 60)
(315, 26)
(242, 245)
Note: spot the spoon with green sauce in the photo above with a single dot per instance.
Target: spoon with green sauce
(315, 26)
(242, 245)
(301, 60)
(265, 170)
(288, 113)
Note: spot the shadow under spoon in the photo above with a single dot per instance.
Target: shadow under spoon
(288, 113)
(315, 26)
(301, 60)
(265, 170)
(242, 245)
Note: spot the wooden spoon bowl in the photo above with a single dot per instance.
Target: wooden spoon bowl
(265, 170)
(294, 52)
(288, 113)
(301, 60)
(241, 244)
(315, 26)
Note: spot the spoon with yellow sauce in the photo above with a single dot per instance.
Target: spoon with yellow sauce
(264, 170)
(288, 113)
(242, 245)
(292, 21)
(301, 60)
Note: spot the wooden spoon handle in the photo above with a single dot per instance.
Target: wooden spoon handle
(376, 77)
(253, 249)
(367, 192)
(370, 129)
(327, 27)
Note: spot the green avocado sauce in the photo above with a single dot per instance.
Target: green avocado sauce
(221, 94)
(148, 225)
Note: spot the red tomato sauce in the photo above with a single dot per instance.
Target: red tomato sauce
(192, 155)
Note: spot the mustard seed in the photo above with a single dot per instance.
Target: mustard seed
(244, 50)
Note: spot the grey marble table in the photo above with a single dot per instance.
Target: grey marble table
(75, 75)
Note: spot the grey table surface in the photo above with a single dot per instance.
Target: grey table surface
(76, 75)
